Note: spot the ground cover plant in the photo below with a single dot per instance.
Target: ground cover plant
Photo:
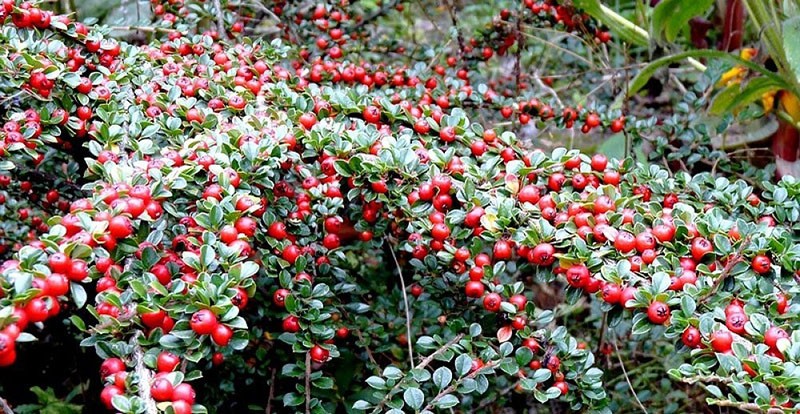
(236, 206)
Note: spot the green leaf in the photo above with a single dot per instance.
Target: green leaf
(791, 46)
(78, 322)
(447, 401)
(475, 330)
(442, 377)
(672, 16)
(414, 398)
(361, 405)
(738, 96)
(621, 26)
(78, 294)
(392, 372)
(376, 382)
(641, 79)
(463, 364)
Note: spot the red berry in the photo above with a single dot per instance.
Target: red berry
(474, 289)
(691, 337)
(167, 362)
(721, 341)
(161, 389)
(761, 264)
(700, 248)
(658, 312)
(319, 354)
(203, 322)
(492, 302)
(222, 335)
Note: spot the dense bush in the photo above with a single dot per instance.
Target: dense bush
(304, 227)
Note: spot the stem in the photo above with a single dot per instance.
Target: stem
(143, 373)
(726, 271)
(408, 310)
(421, 365)
(744, 406)
(705, 378)
(450, 4)
(453, 386)
(383, 10)
(271, 392)
(6, 408)
(308, 382)
(628, 380)
(220, 21)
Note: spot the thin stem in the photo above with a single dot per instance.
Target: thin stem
(452, 387)
(220, 20)
(737, 257)
(366, 348)
(454, 20)
(6, 408)
(425, 362)
(628, 380)
(408, 309)
(271, 392)
(308, 382)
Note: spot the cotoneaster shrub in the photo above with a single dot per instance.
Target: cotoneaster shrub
(203, 198)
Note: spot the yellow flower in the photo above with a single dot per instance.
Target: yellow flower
(732, 77)
(768, 101)
(790, 104)
(737, 73)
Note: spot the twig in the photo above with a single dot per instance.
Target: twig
(628, 380)
(148, 29)
(726, 270)
(539, 83)
(452, 387)
(6, 408)
(449, 4)
(220, 21)
(488, 401)
(408, 310)
(383, 10)
(705, 378)
(366, 348)
(603, 328)
(438, 55)
(308, 382)
(431, 357)
(421, 365)
(744, 406)
(143, 373)
(271, 392)
(520, 46)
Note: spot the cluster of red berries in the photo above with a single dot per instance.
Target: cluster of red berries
(181, 396)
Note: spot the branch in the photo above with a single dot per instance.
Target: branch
(493, 400)
(453, 386)
(454, 21)
(744, 406)
(366, 348)
(271, 392)
(220, 21)
(726, 270)
(705, 378)
(143, 373)
(425, 362)
(308, 382)
(520, 46)
(383, 10)
(6, 408)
